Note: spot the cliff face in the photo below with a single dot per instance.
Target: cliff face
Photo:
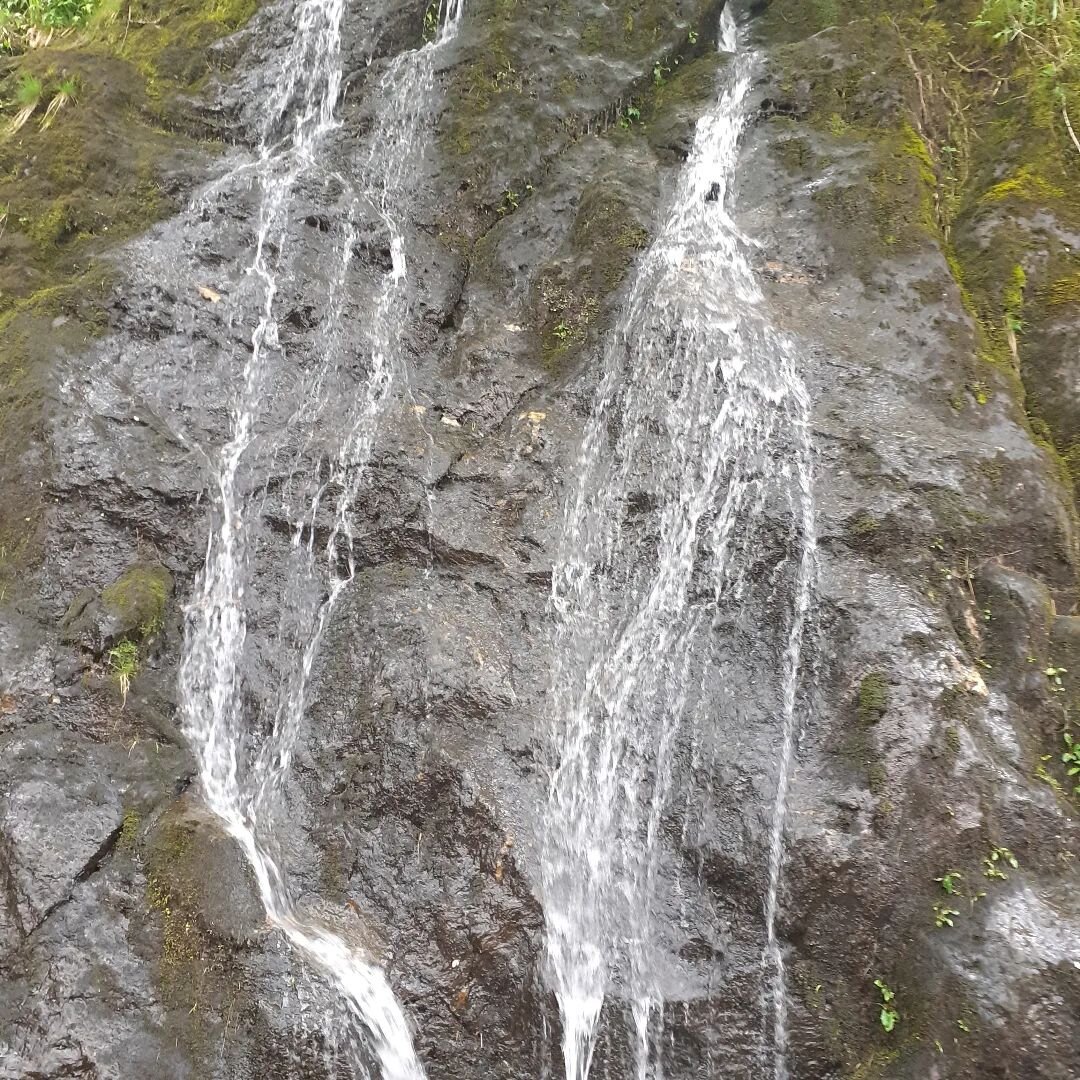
(915, 232)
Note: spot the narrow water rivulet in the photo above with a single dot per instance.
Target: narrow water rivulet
(691, 516)
(244, 752)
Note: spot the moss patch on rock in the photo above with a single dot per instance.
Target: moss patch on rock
(91, 176)
(199, 979)
(137, 598)
(70, 189)
(873, 700)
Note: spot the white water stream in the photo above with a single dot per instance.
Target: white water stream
(701, 418)
(243, 759)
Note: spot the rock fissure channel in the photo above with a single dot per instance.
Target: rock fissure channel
(539, 540)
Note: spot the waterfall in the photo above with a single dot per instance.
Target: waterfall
(690, 508)
(243, 752)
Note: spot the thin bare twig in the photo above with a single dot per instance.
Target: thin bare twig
(1068, 124)
(924, 114)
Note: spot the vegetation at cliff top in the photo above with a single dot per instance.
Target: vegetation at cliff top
(1047, 34)
(24, 22)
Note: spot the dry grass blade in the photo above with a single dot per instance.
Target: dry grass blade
(20, 118)
(64, 95)
(37, 37)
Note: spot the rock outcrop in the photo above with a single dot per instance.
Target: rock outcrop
(942, 675)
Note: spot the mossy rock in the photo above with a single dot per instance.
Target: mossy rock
(84, 183)
(607, 235)
(198, 878)
(135, 601)
(796, 20)
(873, 700)
(528, 78)
(677, 103)
(203, 902)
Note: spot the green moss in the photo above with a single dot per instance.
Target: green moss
(138, 597)
(1013, 296)
(172, 891)
(86, 182)
(892, 210)
(689, 83)
(1064, 464)
(607, 234)
(884, 813)
(873, 1067)
(873, 700)
(566, 315)
(539, 107)
(796, 20)
(956, 704)
(232, 14)
(1064, 291)
(795, 155)
(92, 175)
(197, 977)
(876, 778)
(129, 830)
(915, 147)
(864, 525)
(592, 36)
(1024, 184)
(54, 225)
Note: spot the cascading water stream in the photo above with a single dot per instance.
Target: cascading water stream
(241, 770)
(695, 456)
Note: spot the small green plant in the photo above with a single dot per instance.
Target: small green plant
(28, 93)
(563, 331)
(992, 864)
(630, 116)
(837, 124)
(660, 72)
(692, 37)
(123, 661)
(943, 916)
(152, 627)
(1027, 20)
(1047, 32)
(29, 23)
(431, 21)
(949, 882)
(889, 1016)
(1071, 759)
(1054, 675)
(66, 93)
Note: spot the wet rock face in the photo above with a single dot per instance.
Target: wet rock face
(934, 715)
(415, 802)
